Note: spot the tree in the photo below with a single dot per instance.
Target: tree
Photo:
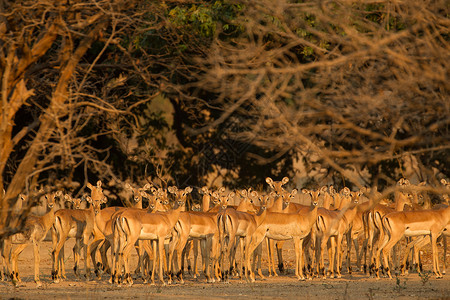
(342, 85)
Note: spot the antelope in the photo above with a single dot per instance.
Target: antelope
(157, 227)
(76, 204)
(422, 241)
(34, 232)
(157, 202)
(236, 224)
(284, 226)
(412, 223)
(102, 231)
(194, 242)
(373, 224)
(77, 224)
(276, 206)
(357, 230)
(202, 226)
(331, 226)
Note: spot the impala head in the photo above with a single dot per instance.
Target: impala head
(204, 191)
(215, 198)
(137, 195)
(314, 195)
(50, 197)
(180, 195)
(263, 202)
(95, 204)
(247, 202)
(97, 192)
(152, 201)
(163, 197)
(76, 202)
(403, 182)
(277, 186)
(196, 207)
(224, 199)
(288, 197)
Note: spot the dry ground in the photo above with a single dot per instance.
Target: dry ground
(357, 286)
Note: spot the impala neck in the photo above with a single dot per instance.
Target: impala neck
(277, 205)
(49, 218)
(174, 215)
(259, 218)
(400, 201)
(327, 199)
(205, 202)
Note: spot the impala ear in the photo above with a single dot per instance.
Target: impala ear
(306, 191)
(285, 180)
(443, 181)
(254, 194)
(128, 186)
(346, 191)
(363, 190)
(294, 192)
(324, 189)
(172, 189)
(58, 193)
(215, 195)
(423, 183)
(269, 181)
(89, 199)
(67, 197)
(222, 190)
(147, 186)
(99, 183)
(231, 195)
(153, 189)
(188, 189)
(243, 193)
(104, 199)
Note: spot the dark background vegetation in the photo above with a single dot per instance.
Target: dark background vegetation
(194, 93)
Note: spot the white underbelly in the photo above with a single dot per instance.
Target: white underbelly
(416, 232)
(147, 236)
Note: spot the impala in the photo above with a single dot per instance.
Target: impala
(156, 202)
(373, 224)
(34, 232)
(208, 197)
(284, 226)
(102, 231)
(202, 226)
(276, 206)
(78, 224)
(157, 227)
(421, 241)
(235, 224)
(330, 228)
(412, 223)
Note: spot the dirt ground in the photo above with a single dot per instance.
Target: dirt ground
(355, 286)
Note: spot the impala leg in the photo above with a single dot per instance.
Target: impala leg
(436, 269)
(161, 253)
(37, 260)
(195, 248)
(444, 241)
(14, 258)
(125, 256)
(279, 247)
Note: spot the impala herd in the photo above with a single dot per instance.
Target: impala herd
(164, 233)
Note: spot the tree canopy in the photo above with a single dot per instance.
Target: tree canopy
(208, 92)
